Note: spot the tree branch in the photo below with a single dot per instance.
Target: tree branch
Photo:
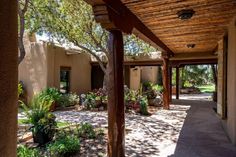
(21, 14)
(100, 62)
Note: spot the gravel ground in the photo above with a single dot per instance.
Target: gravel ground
(146, 136)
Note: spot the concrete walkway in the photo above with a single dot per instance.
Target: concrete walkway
(202, 134)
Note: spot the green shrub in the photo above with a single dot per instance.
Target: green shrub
(50, 94)
(86, 130)
(23, 151)
(64, 146)
(143, 106)
(20, 89)
(157, 88)
(68, 100)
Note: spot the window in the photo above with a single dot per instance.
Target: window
(65, 79)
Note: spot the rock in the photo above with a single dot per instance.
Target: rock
(101, 108)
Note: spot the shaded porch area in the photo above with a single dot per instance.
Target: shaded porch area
(189, 128)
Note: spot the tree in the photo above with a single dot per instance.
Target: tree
(22, 9)
(196, 75)
(72, 22)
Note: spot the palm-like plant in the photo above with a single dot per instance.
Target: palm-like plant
(43, 122)
(37, 109)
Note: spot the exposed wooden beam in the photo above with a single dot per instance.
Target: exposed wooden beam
(208, 24)
(174, 63)
(192, 56)
(113, 13)
(193, 62)
(137, 63)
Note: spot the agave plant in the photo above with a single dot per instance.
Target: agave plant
(42, 121)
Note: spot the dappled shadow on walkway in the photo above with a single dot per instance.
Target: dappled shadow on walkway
(202, 134)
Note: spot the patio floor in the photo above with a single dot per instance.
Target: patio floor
(189, 129)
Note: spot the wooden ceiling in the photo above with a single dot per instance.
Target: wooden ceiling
(204, 29)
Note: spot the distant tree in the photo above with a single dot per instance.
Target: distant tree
(72, 22)
(196, 75)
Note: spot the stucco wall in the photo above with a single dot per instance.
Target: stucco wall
(231, 84)
(135, 78)
(80, 74)
(220, 78)
(149, 74)
(41, 68)
(33, 69)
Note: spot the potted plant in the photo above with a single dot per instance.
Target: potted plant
(42, 121)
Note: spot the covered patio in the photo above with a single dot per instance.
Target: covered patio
(185, 31)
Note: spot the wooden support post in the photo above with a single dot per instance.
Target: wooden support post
(116, 114)
(8, 77)
(177, 82)
(165, 78)
(170, 83)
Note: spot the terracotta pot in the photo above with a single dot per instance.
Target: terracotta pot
(53, 106)
(98, 103)
(151, 102)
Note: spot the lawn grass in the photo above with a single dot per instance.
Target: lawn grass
(207, 88)
(62, 124)
(59, 124)
(22, 121)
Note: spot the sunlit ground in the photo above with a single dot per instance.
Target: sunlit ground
(149, 136)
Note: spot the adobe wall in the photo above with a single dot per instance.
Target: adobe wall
(149, 74)
(41, 68)
(231, 82)
(135, 78)
(80, 75)
(33, 69)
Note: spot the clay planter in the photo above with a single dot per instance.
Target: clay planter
(53, 106)
(151, 102)
(98, 103)
(129, 105)
(136, 107)
(41, 137)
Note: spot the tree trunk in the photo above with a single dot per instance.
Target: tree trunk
(177, 82)
(21, 50)
(105, 81)
(214, 71)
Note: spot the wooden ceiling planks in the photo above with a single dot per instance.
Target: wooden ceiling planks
(205, 28)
